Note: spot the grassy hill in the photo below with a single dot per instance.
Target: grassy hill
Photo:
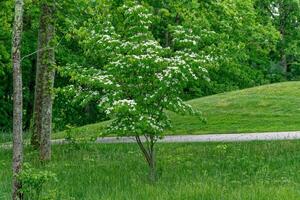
(274, 107)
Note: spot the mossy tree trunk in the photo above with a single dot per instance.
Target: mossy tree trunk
(42, 117)
(17, 99)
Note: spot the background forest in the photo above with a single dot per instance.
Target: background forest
(245, 43)
(200, 87)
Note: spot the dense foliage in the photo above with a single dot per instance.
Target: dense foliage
(140, 78)
(246, 43)
(5, 69)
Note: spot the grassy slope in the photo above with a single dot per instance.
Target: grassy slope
(208, 171)
(273, 107)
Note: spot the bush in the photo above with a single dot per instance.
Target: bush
(33, 183)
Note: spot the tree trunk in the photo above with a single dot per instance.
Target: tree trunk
(42, 120)
(17, 98)
(167, 38)
(37, 106)
(152, 165)
(48, 60)
(282, 29)
(29, 106)
(283, 58)
(149, 155)
(284, 63)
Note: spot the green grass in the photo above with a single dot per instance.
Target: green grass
(5, 137)
(274, 107)
(206, 171)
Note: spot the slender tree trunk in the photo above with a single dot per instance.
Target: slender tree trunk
(282, 29)
(152, 164)
(17, 98)
(42, 120)
(284, 63)
(29, 106)
(37, 109)
(149, 154)
(283, 58)
(167, 38)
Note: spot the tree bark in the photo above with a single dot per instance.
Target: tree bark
(143, 149)
(29, 106)
(17, 99)
(37, 106)
(152, 164)
(48, 60)
(45, 72)
(284, 63)
(149, 154)
(282, 29)
(283, 58)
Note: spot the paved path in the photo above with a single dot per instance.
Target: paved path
(294, 135)
(239, 137)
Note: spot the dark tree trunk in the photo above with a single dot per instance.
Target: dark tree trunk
(167, 38)
(152, 164)
(282, 28)
(283, 58)
(149, 154)
(17, 99)
(37, 106)
(42, 120)
(29, 106)
(284, 63)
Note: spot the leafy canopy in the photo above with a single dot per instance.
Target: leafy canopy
(140, 78)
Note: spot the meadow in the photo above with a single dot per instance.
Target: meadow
(206, 171)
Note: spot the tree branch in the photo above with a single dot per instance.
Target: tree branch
(43, 49)
(146, 154)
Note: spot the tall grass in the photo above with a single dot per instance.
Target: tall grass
(209, 171)
(5, 136)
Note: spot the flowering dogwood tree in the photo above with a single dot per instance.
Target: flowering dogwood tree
(140, 78)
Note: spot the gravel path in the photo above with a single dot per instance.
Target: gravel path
(207, 138)
(238, 137)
